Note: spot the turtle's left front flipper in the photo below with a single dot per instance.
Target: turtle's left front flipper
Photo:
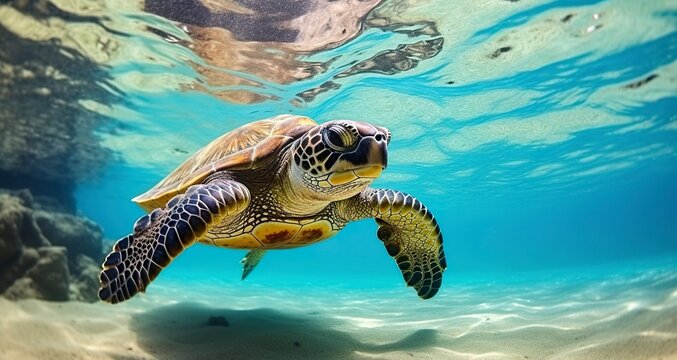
(409, 232)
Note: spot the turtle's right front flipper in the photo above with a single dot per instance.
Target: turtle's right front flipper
(160, 236)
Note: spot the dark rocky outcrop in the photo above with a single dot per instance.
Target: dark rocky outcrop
(50, 131)
(85, 279)
(80, 235)
(47, 278)
(46, 254)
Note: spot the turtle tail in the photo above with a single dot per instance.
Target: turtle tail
(159, 237)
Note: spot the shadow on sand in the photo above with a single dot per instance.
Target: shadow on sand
(181, 331)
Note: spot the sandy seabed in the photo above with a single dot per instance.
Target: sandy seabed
(629, 316)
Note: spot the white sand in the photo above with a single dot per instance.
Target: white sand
(633, 316)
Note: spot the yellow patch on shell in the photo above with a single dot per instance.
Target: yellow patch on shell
(313, 232)
(244, 241)
(275, 233)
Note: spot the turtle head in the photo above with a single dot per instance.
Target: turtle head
(339, 159)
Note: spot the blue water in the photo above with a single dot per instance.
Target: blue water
(539, 158)
(541, 134)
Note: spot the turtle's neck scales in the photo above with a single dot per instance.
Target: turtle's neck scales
(292, 195)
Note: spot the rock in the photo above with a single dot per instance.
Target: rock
(51, 273)
(217, 321)
(11, 271)
(79, 235)
(51, 204)
(10, 243)
(17, 227)
(25, 196)
(48, 279)
(31, 267)
(31, 234)
(85, 285)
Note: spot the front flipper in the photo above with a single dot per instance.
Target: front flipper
(160, 236)
(409, 232)
(250, 261)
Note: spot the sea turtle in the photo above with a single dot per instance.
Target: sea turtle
(277, 183)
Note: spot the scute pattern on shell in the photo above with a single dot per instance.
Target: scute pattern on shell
(238, 149)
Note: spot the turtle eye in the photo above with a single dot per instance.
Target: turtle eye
(339, 138)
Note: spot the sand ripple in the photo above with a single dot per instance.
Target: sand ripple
(609, 315)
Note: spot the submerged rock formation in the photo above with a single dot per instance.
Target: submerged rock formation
(46, 254)
(53, 82)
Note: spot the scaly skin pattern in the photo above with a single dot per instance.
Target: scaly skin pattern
(409, 232)
(160, 236)
(265, 227)
(303, 192)
(270, 221)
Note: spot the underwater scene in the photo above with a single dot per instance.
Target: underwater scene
(338, 179)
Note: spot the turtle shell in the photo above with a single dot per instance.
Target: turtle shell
(240, 149)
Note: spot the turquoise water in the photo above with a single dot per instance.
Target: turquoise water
(546, 156)
(541, 134)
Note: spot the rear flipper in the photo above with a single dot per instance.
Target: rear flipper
(160, 236)
(250, 261)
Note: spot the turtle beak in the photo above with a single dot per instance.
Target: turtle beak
(366, 161)
(376, 163)
(370, 157)
(378, 152)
